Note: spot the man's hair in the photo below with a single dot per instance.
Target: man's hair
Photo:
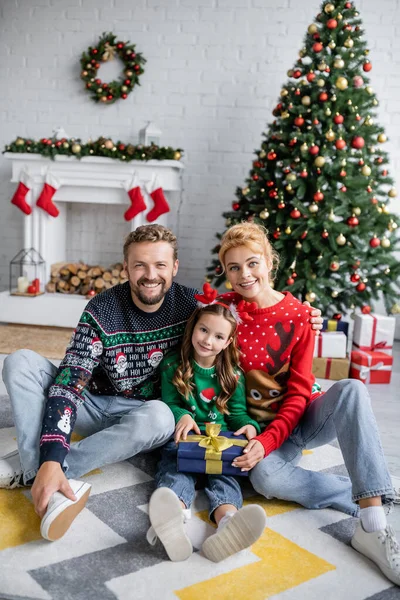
(151, 233)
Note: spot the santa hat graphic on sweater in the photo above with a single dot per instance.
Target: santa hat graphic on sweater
(119, 356)
(155, 357)
(208, 395)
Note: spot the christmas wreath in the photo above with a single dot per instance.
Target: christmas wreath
(108, 49)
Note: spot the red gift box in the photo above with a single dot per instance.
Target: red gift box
(370, 366)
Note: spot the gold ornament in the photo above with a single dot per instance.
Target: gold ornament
(76, 148)
(284, 92)
(245, 191)
(264, 214)
(319, 161)
(285, 114)
(306, 100)
(310, 296)
(65, 145)
(322, 66)
(340, 240)
(378, 284)
(387, 271)
(19, 142)
(343, 163)
(375, 102)
(177, 155)
(313, 208)
(382, 138)
(330, 135)
(288, 230)
(369, 90)
(368, 121)
(124, 88)
(103, 99)
(99, 90)
(395, 310)
(392, 225)
(385, 242)
(320, 82)
(290, 73)
(339, 16)
(129, 73)
(349, 43)
(333, 98)
(228, 285)
(335, 294)
(385, 209)
(341, 83)
(357, 211)
(328, 8)
(304, 147)
(332, 45)
(349, 102)
(392, 193)
(331, 216)
(291, 177)
(289, 187)
(366, 170)
(312, 29)
(263, 154)
(328, 112)
(109, 144)
(338, 63)
(298, 245)
(207, 279)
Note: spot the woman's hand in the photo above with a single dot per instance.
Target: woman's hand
(183, 426)
(252, 454)
(248, 430)
(316, 319)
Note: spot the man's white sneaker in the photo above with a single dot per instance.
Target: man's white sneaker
(61, 511)
(167, 524)
(241, 531)
(382, 548)
(11, 475)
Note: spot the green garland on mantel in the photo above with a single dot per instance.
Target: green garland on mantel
(51, 147)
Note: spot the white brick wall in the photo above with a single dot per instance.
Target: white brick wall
(214, 71)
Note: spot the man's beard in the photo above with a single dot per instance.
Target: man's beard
(139, 292)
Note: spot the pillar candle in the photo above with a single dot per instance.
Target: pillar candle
(22, 284)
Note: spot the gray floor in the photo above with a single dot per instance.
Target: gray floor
(386, 406)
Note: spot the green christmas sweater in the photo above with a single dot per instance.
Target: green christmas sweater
(201, 404)
(115, 350)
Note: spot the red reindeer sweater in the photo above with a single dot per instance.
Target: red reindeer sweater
(277, 351)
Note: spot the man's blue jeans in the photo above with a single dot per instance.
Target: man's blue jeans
(343, 412)
(114, 428)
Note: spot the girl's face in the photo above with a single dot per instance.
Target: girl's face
(247, 271)
(211, 334)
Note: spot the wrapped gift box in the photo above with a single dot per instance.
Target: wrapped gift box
(330, 344)
(371, 366)
(333, 325)
(374, 332)
(212, 452)
(331, 368)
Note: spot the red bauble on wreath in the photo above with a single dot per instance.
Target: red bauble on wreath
(108, 49)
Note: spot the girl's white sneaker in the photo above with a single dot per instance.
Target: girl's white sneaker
(61, 511)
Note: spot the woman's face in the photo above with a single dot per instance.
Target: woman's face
(247, 271)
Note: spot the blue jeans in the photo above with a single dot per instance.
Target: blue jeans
(343, 412)
(220, 489)
(115, 428)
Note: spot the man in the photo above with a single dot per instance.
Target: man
(107, 388)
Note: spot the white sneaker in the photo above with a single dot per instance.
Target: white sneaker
(167, 524)
(382, 548)
(240, 532)
(11, 475)
(61, 511)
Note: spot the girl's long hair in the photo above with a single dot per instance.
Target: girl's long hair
(225, 362)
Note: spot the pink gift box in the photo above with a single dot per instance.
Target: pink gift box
(374, 332)
(371, 366)
(330, 344)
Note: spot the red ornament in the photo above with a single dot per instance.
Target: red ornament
(303, 174)
(315, 122)
(293, 142)
(270, 183)
(323, 97)
(98, 81)
(294, 275)
(271, 155)
(347, 5)
(342, 173)
(356, 265)
(256, 164)
(235, 206)
(347, 27)
(121, 147)
(369, 189)
(361, 287)
(303, 237)
(316, 36)
(295, 214)
(299, 121)
(281, 205)
(110, 97)
(94, 51)
(379, 160)
(331, 24)
(340, 144)
(358, 118)
(127, 82)
(218, 270)
(325, 235)
(352, 221)
(318, 196)
(313, 150)
(297, 92)
(276, 234)
(337, 316)
(90, 294)
(343, 188)
(361, 162)
(290, 281)
(273, 194)
(120, 45)
(384, 172)
(310, 76)
(357, 142)
(367, 66)
(374, 200)
(366, 309)
(317, 47)
(355, 278)
(124, 96)
(338, 119)
(374, 242)
(297, 73)
(256, 177)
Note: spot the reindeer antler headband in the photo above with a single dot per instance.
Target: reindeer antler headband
(240, 312)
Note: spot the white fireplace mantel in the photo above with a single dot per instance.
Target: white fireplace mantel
(92, 180)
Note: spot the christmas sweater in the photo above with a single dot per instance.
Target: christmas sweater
(201, 405)
(115, 350)
(276, 356)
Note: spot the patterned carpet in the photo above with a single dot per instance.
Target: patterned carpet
(302, 554)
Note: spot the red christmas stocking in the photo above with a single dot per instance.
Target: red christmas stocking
(45, 199)
(161, 205)
(19, 198)
(136, 198)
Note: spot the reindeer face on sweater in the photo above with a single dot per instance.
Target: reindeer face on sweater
(264, 392)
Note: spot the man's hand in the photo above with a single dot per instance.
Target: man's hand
(248, 430)
(316, 319)
(183, 426)
(49, 479)
(252, 454)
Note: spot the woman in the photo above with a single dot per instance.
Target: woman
(277, 349)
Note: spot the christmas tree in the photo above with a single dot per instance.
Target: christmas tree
(320, 183)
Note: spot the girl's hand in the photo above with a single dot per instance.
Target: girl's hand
(183, 426)
(248, 430)
(252, 454)
(316, 319)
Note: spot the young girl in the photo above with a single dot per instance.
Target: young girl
(276, 357)
(204, 384)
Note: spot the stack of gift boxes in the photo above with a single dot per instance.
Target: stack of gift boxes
(371, 354)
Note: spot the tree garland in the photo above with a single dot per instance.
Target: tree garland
(107, 49)
(51, 147)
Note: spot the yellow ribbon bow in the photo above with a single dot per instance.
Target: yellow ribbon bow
(213, 442)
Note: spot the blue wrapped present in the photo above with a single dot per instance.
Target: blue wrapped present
(334, 325)
(211, 453)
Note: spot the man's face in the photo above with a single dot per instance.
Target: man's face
(150, 268)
